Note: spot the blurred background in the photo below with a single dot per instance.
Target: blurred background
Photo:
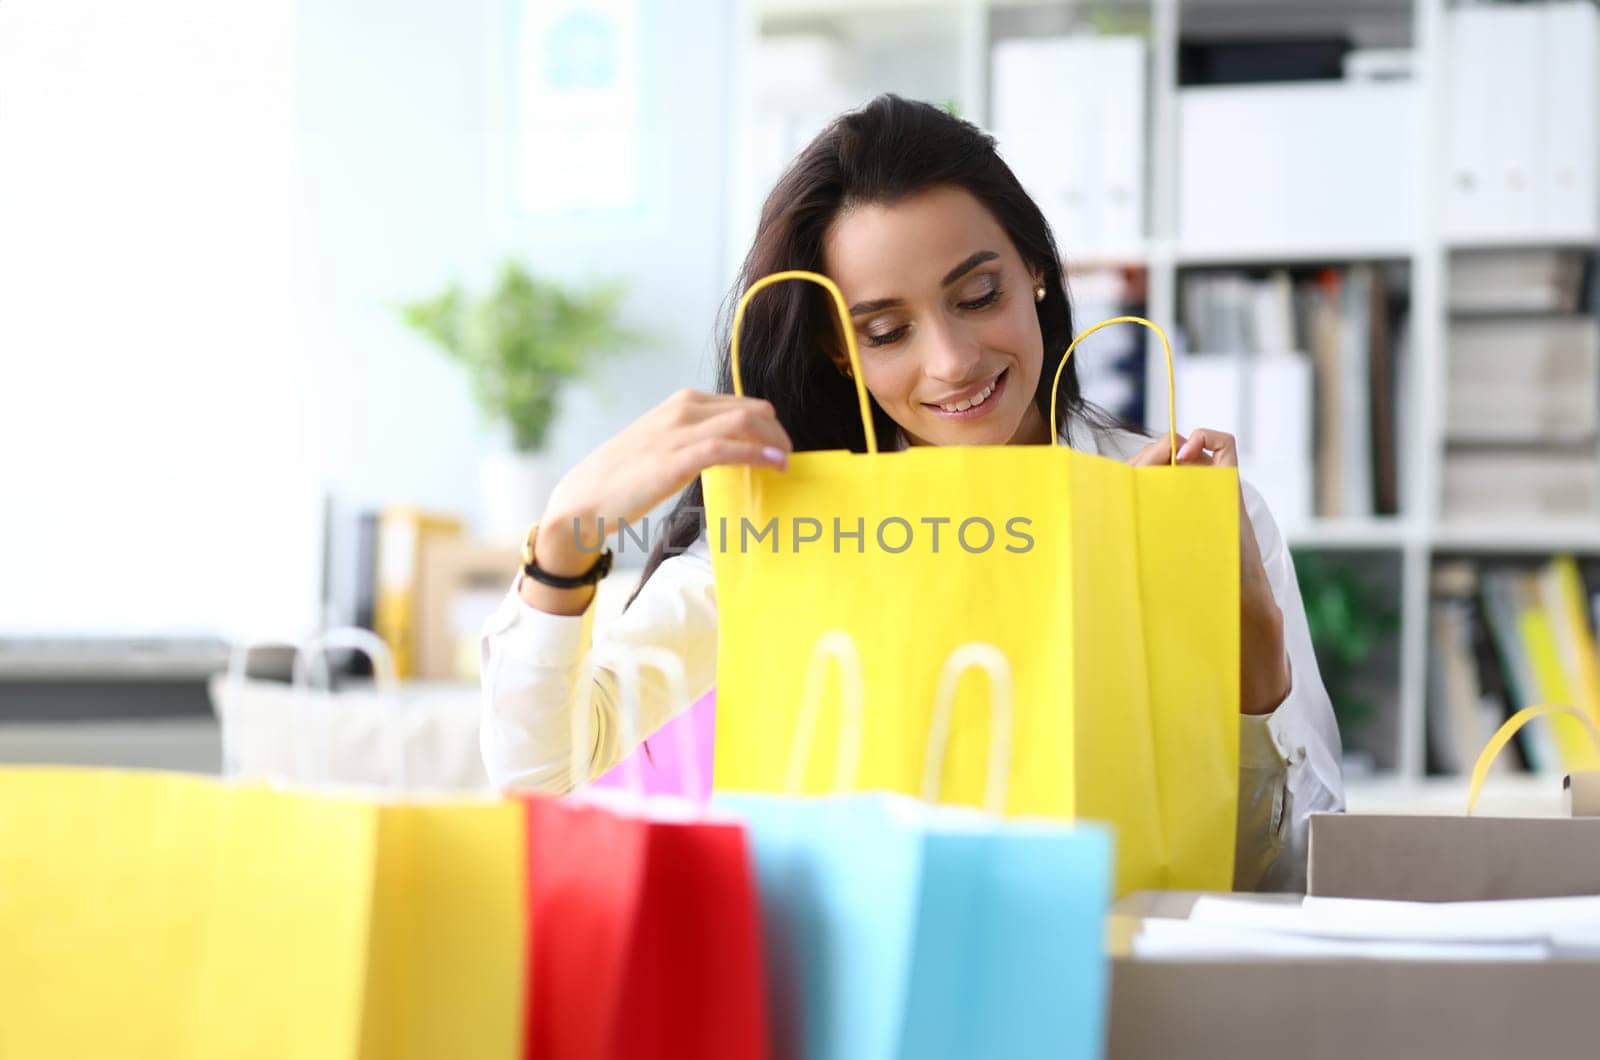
(305, 306)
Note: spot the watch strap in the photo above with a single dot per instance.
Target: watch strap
(600, 568)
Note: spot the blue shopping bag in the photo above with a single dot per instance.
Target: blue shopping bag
(896, 929)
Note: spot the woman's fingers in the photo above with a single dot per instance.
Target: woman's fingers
(1222, 447)
(1156, 453)
(1202, 448)
(715, 452)
(1159, 452)
(752, 421)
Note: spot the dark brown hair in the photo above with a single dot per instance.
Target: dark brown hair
(888, 150)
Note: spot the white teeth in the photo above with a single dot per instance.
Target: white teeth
(963, 406)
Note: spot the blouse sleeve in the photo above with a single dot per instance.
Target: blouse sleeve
(531, 672)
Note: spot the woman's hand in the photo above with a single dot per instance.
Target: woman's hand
(650, 461)
(1264, 677)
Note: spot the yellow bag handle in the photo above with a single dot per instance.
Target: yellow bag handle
(1172, 390)
(849, 339)
(859, 377)
(1502, 736)
(837, 647)
(990, 659)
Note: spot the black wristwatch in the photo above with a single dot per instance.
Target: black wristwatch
(601, 567)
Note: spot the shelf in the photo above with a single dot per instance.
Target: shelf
(1291, 254)
(91, 658)
(1521, 537)
(1525, 241)
(1374, 533)
(1397, 551)
(835, 8)
(1088, 258)
(189, 745)
(1514, 795)
(873, 7)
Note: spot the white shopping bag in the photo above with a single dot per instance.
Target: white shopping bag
(412, 737)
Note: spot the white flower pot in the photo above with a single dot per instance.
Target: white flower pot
(513, 489)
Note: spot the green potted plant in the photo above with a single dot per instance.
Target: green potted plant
(1349, 618)
(521, 344)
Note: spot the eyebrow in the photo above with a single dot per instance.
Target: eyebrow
(966, 266)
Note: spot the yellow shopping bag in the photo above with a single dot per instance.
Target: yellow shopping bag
(1113, 591)
(162, 915)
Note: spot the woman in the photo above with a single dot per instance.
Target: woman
(958, 301)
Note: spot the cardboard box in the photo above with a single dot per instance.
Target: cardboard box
(459, 584)
(1337, 1009)
(1453, 859)
(1581, 794)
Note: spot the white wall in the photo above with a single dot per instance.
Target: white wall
(144, 360)
(671, 248)
(389, 204)
(207, 215)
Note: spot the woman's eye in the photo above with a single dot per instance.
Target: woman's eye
(886, 337)
(987, 300)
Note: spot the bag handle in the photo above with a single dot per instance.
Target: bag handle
(837, 647)
(990, 659)
(849, 339)
(365, 641)
(239, 655)
(237, 673)
(1172, 391)
(313, 653)
(628, 664)
(1503, 735)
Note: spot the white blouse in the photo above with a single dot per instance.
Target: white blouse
(1288, 760)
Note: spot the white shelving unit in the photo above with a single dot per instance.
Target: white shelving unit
(1418, 534)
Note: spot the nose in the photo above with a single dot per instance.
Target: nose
(950, 356)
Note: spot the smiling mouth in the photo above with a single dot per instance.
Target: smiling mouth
(975, 401)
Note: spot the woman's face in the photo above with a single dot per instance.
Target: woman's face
(943, 310)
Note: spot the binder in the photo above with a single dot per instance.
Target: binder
(1571, 89)
(403, 533)
(1069, 118)
(1039, 128)
(1561, 592)
(1117, 66)
(1264, 400)
(1503, 596)
(1523, 122)
(1355, 365)
(1492, 102)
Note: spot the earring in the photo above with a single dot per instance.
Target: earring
(844, 370)
(1038, 293)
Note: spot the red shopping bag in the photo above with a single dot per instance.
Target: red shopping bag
(647, 942)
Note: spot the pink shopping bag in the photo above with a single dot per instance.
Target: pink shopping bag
(663, 766)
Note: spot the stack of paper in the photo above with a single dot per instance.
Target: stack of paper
(1231, 928)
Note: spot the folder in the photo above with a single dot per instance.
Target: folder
(1571, 88)
(403, 534)
(1069, 118)
(1493, 101)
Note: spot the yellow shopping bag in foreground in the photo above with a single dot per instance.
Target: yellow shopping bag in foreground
(171, 916)
(1112, 590)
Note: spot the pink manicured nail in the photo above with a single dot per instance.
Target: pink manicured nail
(776, 457)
